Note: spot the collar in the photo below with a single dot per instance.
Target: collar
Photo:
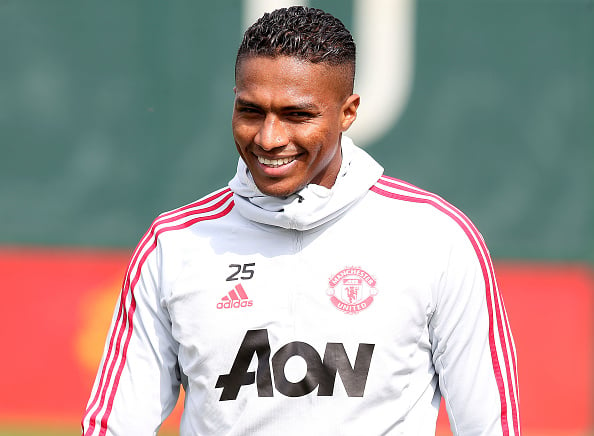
(313, 205)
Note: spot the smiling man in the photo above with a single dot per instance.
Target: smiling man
(313, 295)
(288, 119)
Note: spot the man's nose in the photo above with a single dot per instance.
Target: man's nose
(272, 133)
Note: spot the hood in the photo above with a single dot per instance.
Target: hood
(313, 205)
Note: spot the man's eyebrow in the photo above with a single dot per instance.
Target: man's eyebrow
(241, 102)
(305, 106)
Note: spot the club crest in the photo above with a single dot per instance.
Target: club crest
(352, 290)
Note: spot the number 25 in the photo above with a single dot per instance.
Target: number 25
(246, 270)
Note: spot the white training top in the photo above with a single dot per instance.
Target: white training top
(343, 311)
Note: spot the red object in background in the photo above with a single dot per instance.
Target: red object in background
(41, 377)
(550, 308)
(57, 304)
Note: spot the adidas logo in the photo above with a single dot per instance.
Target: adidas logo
(235, 299)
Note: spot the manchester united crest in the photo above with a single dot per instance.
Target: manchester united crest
(352, 290)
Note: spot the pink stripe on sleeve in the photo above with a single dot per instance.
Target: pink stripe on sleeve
(124, 320)
(394, 188)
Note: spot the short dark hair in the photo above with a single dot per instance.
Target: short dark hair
(306, 33)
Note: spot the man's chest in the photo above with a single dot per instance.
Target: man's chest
(315, 291)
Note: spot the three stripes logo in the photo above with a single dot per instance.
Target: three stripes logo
(236, 298)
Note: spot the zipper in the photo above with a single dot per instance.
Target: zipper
(295, 291)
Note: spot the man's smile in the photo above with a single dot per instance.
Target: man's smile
(277, 162)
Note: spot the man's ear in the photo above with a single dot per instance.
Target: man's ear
(349, 111)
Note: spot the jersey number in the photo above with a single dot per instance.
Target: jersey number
(246, 270)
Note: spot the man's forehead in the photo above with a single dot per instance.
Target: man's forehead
(290, 76)
(288, 66)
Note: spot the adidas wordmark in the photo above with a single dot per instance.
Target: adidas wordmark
(236, 298)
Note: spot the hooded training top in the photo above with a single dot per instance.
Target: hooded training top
(342, 311)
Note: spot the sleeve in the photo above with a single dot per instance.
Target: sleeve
(473, 348)
(137, 384)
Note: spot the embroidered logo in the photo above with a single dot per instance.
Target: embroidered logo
(236, 298)
(352, 290)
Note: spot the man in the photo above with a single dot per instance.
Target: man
(314, 295)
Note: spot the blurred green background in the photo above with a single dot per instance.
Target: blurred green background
(115, 111)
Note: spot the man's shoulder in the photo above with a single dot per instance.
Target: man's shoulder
(215, 205)
(203, 204)
(400, 190)
(419, 204)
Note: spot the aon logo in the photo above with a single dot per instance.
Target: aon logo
(321, 372)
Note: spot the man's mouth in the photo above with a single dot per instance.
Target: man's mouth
(275, 163)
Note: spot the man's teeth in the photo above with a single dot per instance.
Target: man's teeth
(275, 162)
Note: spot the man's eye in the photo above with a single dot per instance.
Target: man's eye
(248, 111)
(300, 115)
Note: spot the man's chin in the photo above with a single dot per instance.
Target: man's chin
(278, 189)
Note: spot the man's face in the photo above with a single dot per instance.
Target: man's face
(287, 121)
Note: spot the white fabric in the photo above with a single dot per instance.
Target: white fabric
(313, 205)
(387, 268)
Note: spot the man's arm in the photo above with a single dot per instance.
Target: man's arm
(137, 384)
(473, 348)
